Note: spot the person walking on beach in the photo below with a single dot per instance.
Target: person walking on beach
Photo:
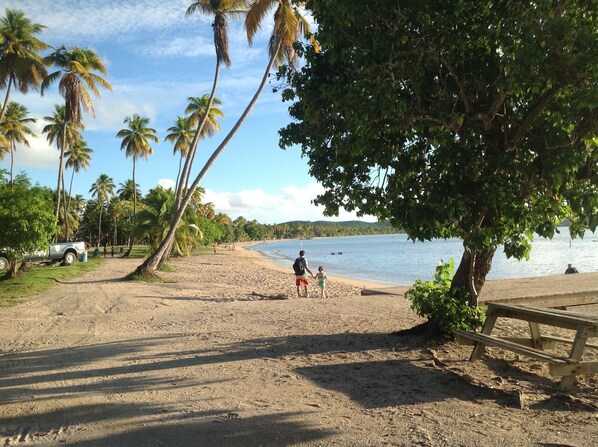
(570, 269)
(300, 267)
(321, 277)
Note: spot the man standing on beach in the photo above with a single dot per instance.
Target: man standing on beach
(300, 267)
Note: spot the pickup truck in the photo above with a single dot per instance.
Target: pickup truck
(67, 252)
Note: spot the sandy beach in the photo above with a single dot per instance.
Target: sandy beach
(209, 358)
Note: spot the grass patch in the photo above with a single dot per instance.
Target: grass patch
(39, 279)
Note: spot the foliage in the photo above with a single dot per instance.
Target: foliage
(26, 218)
(445, 310)
(451, 120)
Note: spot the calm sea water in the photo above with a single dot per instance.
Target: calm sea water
(394, 260)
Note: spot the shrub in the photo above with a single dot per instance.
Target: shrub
(445, 311)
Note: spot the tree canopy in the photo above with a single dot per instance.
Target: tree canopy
(452, 120)
(26, 218)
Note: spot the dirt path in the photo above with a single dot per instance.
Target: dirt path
(205, 360)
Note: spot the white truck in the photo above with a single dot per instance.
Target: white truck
(67, 252)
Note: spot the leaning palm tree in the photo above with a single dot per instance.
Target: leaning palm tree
(221, 10)
(77, 157)
(15, 130)
(289, 25)
(21, 66)
(76, 67)
(136, 139)
(103, 189)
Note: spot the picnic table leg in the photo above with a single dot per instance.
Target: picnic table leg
(479, 347)
(581, 337)
(536, 336)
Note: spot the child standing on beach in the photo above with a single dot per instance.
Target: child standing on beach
(321, 277)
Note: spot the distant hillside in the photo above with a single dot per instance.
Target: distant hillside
(346, 223)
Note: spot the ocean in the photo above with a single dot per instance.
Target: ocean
(394, 260)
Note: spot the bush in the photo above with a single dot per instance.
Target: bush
(446, 312)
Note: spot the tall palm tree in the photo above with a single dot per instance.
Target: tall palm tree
(21, 66)
(222, 10)
(15, 130)
(64, 133)
(136, 139)
(180, 135)
(77, 157)
(289, 25)
(103, 189)
(76, 67)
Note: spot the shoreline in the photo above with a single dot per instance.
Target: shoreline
(266, 261)
(493, 289)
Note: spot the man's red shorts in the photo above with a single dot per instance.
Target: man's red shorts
(301, 281)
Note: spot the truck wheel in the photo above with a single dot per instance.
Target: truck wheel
(3, 263)
(69, 258)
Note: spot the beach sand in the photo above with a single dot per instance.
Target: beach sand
(208, 359)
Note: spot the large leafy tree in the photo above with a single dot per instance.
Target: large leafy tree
(21, 65)
(454, 121)
(15, 129)
(136, 138)
(77, 76)
(289, 26)
(26, 218)
(103, 189)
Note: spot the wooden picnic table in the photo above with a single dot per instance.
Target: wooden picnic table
(584, 325)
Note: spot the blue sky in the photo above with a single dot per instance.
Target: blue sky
(156, 58)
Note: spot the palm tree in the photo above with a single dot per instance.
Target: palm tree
(20, 64)
(222, 10)
(127, 191)
(15, 130)
(136, 141)
(103, 189)
(64, 133)
(76, 68)
(180, 135)
(77, 157)
(289, 24)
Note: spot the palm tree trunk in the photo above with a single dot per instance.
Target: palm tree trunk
(184, 180)
(151, 263)
(100, 224)
(68, 206)
(62, 144)
(66, 217)
(10, 82)
(131, 239)
(12, 161)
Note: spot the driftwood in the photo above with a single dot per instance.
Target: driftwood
(278, 296)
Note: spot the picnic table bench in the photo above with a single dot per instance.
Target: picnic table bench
(584, 325)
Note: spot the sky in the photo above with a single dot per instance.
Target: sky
(157, 57)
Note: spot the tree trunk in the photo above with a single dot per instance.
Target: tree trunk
(13, 270)
(131, 239)
(471, 273)
(184, 179)
(62, 145)
(10, 82)
(12, 161)
(151, 263)
(100, 225)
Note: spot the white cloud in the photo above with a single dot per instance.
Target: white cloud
(166, 183)
(291, 203)
(39, 154)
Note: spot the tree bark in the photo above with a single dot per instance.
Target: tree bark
(10, 82)
(471, 273)
(131, 238)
